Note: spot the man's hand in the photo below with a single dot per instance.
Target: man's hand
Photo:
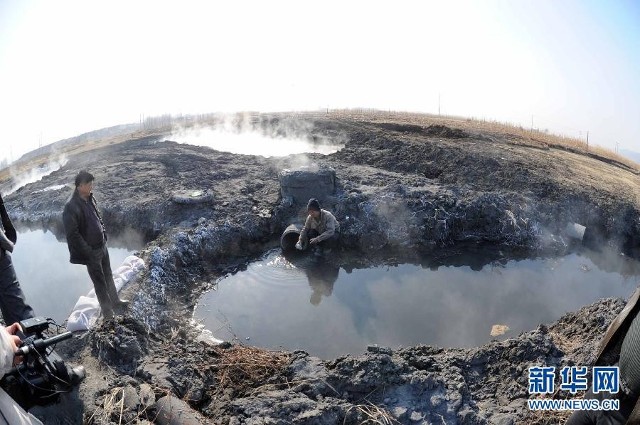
(299, 246)
(313, 241)
(15, 340)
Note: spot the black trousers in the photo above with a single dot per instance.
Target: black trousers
(13, 305)
(99, 268)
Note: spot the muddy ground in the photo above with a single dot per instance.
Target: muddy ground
(408, 189)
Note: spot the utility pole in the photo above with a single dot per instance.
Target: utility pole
(532, 123)
(438, 104)
(587, 140)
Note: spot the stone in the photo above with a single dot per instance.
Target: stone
(376, 349)
(147, 396)
(131, 398)
(307, 182)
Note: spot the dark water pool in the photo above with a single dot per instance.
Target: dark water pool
(327, 311)
(50, 283)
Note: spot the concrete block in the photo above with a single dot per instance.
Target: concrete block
(307, 182)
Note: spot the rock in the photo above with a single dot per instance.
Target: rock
(147, 396)
(131, 398)
(416, 416)
(307, 182)
(379, 350)
(173, 411)
(191, 197)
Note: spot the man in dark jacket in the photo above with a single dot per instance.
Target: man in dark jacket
(13, 305)
(87, 242)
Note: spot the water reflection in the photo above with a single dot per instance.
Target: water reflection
(301, 303)
(50, 283)
(321, 274)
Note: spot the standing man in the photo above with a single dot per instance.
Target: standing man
(13, 305)
(320, 228)
(87, 242)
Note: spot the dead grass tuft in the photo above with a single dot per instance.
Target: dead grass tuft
(567, 345)
(242, 368)
(374, 415)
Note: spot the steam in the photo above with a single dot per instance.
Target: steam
(128, 238)
(51, 188)
(247, 134)
(21, 178)
(393, 211)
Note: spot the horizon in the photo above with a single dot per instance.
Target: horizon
(567, 68)
(629, 154)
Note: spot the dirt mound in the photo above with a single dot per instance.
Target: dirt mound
(435, 130)
(444, 131)
(121, 343)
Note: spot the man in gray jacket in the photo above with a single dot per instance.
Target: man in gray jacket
(87, 242)
(320, 228)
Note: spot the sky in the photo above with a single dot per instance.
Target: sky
(68, 67)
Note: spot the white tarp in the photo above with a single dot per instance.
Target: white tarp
(87, 308)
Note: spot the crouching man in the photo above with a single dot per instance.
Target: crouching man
(321, 229)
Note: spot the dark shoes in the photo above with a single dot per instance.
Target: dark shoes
(121, 306)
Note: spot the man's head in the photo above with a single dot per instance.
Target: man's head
(84, 183)
(313, 208)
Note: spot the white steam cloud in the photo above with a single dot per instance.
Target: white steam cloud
(21, 178)
(245, 134)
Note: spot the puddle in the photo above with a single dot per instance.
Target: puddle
(328, 312)
(50, 283)
(254, 143)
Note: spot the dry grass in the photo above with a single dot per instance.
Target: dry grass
(242, 368)
(113, 407)
(513, 134)
(374, 415)
(565, 344)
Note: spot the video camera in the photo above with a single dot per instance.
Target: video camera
(42, 375)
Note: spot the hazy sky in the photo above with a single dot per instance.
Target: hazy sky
(68, 67)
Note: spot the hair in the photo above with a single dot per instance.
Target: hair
(313, 204)
(83, 177)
